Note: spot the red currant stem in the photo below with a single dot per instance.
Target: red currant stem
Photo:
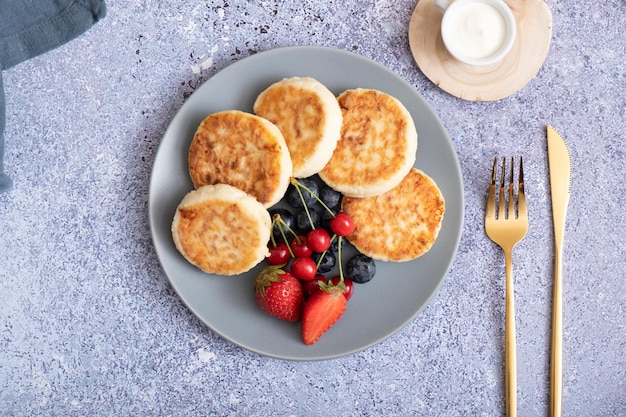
(332, 213)
(279, 220)
(287, 244)
(339, 260)
(319, 261)
(306, 209)
(274, 223)
(319, 200)
(282, 223)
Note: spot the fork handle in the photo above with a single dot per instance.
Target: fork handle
(556, 365)
(510, 355)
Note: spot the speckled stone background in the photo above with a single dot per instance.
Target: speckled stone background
(89, 324)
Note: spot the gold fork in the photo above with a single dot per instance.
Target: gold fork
(506, 229)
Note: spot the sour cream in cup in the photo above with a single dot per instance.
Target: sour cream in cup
(477, 32)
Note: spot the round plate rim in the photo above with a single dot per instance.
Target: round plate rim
(454, 215)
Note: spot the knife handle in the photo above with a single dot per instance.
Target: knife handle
(556, 367)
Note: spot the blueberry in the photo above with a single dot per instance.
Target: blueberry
(329, 196)
(328, 262)
(293, 196)
(288, 218)
(302, 220)
(361, 268)
(334, 243)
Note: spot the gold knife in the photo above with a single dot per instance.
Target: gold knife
(560, 176)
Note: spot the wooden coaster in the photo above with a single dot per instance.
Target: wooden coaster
(491, 82)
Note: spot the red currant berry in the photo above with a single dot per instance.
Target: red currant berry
(349, 286)
(341, 224)
(304, 268)
(300, 247)
(279, 254)
(318, 240)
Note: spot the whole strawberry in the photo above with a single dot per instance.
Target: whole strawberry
(279, 293)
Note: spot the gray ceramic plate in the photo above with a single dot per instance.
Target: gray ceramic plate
(377, 309)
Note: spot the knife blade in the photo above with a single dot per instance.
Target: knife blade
(560, 168)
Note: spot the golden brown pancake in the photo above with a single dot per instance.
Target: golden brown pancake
(377, 145)
(221, 229)
(308, 116)
(243, 150)
(401, 224)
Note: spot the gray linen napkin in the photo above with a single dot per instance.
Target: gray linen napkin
(31, 27)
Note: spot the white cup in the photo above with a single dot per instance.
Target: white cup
(477, 32)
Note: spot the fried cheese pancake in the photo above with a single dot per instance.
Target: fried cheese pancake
(377, 145)
(401, 224)
(308, 116)
(221, 229)
(243, 150)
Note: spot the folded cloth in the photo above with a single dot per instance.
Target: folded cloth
(30, 28)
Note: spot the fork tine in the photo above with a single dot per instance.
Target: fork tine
(501, 194)
(491, 198)
(521, 204)
(511, 211)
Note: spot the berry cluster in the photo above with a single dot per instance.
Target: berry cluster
(312, 234)
(306, 243)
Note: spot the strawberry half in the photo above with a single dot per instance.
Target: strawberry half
(321, 311)
(279, 293)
